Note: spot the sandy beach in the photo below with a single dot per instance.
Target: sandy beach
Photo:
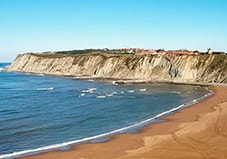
(195, 132)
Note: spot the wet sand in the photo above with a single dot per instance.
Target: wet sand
(195, 132)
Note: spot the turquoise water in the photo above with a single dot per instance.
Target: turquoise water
(40, 113)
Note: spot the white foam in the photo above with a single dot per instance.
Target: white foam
(175, 92)
(45, 89)
(114, 83)
(101, 97)
(111, 94)
(143, 90)
(40, 74)
(4, 68)
(121, 130)
(81, 95)
(90, 90)
(131, 91)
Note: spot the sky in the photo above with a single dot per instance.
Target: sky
(54, 25)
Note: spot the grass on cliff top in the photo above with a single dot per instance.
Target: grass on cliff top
(92, 51)
(76, 52)
(87, 52)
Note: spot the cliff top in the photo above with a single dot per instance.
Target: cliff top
(134, 51)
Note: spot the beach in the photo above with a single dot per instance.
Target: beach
(198, 131)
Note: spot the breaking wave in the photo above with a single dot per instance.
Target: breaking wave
(45, 89)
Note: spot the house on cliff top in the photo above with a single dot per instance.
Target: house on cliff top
(210, 52)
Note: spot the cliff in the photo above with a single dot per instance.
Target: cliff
(161, 68)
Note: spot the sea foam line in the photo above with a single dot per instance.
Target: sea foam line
(121, 130)
(3, 68)
(45, 89)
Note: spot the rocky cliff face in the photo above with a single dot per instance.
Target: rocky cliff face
(161, 68)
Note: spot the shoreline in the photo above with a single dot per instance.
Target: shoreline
(134, 128)
(117, 81)
(129, 143)
(160, 117)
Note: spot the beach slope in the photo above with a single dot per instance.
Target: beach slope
(198, 132)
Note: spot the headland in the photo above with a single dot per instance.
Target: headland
(188, 67)
(198, 131)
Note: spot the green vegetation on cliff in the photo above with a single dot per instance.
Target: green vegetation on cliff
(86, 51)
(94, 51)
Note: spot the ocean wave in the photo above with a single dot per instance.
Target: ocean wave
(90, 90)
(104, 135)
(100, 96)
(81, 95)
(111, 94)
(131, 91)
(16, 118)
(45, 89)
(40, 74)
(143, 90)
(175, 92)
(3, 68)
(114, 83)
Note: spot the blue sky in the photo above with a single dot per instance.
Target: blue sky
(51, 25)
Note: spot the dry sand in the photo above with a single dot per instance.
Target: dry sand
(196, 132)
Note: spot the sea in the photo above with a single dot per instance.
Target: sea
(39, 113)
